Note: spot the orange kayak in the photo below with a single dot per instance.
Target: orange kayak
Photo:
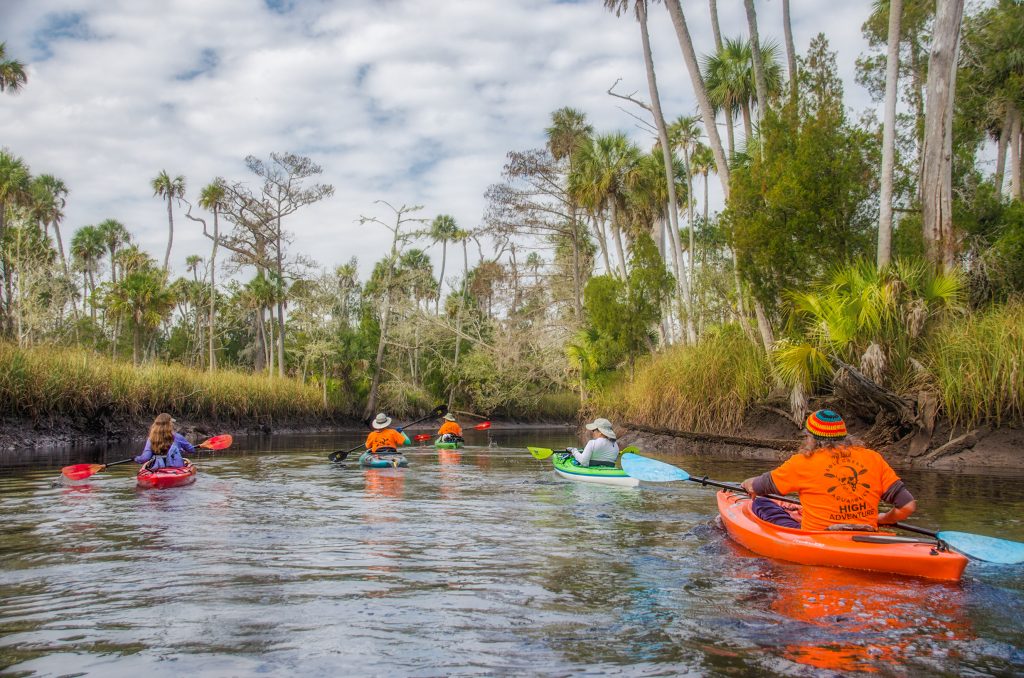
(874, 551)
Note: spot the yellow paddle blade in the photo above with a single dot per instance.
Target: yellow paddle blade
(631, 449)
(540, 452)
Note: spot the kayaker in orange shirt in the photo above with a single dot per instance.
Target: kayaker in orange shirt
(450, 431)
(840, 482)
(383, 439)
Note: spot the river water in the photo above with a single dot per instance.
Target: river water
(470, 562)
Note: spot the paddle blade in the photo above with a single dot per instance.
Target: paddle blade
(221, 442)
(651, 470)
(81, 471)
(989, 549)
(338, 455)
(540, 452)
(440, 411)
(420, 437)
(483, 426)
(632, 449)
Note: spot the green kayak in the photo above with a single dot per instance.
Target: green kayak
(370, 460)
(447, 446)
(567, 467)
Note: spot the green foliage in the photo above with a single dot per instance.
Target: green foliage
(808, 201)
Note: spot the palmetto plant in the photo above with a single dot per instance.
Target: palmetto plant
(875, 319)
(144, 301)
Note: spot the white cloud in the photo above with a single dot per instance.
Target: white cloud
(409, 101)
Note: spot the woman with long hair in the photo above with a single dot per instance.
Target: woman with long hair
(164, 447)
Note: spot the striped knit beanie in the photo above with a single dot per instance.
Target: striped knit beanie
(825, 425)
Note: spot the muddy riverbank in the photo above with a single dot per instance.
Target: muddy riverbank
(771, 437)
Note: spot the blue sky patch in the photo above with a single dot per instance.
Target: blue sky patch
(59, 26)
(208, 60)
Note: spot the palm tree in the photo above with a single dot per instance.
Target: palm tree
(703, 163)
(442, 230)
(88, 247)
(892, 72)
(601, 179)
(115, 236)
(730, 77)
(213, 197)
(15, 183)
(144, 300)
(170, 189)
(12, 72)
(707, 113)
(50, 195)
(568, 131)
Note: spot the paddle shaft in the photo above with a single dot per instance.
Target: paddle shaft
(791, 500)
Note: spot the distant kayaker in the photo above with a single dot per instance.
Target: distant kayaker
(601, 449)
(450, 431)
(840, 482)
(383, 439)
(163, 446)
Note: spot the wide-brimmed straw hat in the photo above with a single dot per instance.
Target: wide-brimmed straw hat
(381, 421)
(449, 417)
(604, 426)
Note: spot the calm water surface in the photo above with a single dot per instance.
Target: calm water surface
(478, 561)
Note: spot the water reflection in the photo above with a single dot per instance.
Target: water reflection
(472, 561)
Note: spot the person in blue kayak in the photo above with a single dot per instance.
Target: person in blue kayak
(601, 449)
(164, 448)
(383, 439)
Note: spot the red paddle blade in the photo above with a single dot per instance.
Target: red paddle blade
(221, 442)
(421, 437)
(81, 471)
(483, 426)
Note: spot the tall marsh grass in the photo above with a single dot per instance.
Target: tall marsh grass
(65, 382)
(706, 387)
(978, 366)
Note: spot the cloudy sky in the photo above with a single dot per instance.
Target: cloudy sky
(410, 101)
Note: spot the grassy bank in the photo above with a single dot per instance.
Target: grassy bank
(50, 382)
(978, 367)
(707, 387)
(974, 362)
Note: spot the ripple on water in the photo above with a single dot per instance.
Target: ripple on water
(476, 561)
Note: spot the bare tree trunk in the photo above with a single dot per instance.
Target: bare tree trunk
(707, 113)
(666, 149)
(764, 326)
(440, 278)
(892, 72)
(280, 302)
(602, 242)
(713, 7)
(936, 180)
(617, 238)
(748, 125)
(170, 235)
(458, 322)
(1015, 158)
(1001, 147)
(755, 49)
(576, 283)
(213, 290)
(787, 29)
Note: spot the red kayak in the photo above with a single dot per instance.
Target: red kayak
(166, 477)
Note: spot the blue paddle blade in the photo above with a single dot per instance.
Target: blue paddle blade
(651, 470)
(989, 549)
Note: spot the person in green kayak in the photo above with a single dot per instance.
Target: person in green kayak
(601, 449)
(840, 482)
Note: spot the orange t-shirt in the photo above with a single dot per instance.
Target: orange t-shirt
(387, 437)
(449, 427)
(837, 485)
